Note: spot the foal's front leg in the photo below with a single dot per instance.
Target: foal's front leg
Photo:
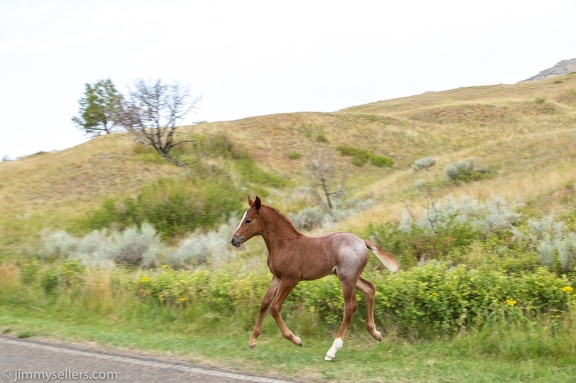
(284, 289)
(270, 294)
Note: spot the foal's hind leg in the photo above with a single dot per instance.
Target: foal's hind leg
(369, 290)
(350, 306)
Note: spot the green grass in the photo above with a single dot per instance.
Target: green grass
(486, 356)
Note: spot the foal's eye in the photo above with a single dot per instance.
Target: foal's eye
(248, 220)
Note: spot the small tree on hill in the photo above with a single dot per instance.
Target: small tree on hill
(324, 172)
(152, 113)
(99, 108)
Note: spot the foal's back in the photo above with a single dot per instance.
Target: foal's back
(315, 257)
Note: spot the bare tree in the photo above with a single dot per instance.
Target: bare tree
(325, 174)
(152, 113)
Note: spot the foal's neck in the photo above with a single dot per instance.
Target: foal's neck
(277, 226)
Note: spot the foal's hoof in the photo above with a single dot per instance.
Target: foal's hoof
(251, 344)
(377, 336)
(297, 341)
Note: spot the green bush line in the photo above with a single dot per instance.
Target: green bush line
(173, 206)
(422, 302)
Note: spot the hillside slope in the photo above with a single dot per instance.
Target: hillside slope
(527, 131)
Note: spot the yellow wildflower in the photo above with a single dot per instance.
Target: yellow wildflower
(568, 289)
(183, 299)
(511, 302)
(144, 280)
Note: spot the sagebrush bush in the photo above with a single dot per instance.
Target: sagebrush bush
(314, 217)
(203, 247)
(445, 227)
(133, 246)
(465, 171)
(423, 163)
(309, 218)
(56, 245)
(555, 244)
(93, 250)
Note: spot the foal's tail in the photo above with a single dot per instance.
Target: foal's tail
(383, 256)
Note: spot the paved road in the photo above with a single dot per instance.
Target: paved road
(27, 360)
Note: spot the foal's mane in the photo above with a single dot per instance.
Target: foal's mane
(287, 226)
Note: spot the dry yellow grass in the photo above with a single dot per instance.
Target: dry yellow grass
(527, 131)
(75, 179)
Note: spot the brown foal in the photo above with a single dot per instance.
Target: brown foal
(294, 257)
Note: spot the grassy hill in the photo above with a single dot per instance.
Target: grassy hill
(477, 297)
(525, 131)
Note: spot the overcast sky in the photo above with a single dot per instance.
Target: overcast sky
(249, 58)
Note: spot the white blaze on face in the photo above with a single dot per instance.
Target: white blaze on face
(242, 220)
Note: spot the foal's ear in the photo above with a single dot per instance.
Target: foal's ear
(257, 203)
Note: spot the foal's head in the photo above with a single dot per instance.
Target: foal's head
(250, 225)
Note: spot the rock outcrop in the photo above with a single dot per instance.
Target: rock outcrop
(560, 69)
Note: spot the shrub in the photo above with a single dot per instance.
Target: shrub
(360, 157)
(315, 217)
(201, 247)
(445, 227)
(29, 269)
(427, 301)
(172, 206)
(67, 274)
(135, 247)
(93, 250)
(437, 299)
(294, 156)
(308, 219)
(423, 163)
(553, 242)
(57, 245)
(321, 138)
(465, 171)
(381, 161)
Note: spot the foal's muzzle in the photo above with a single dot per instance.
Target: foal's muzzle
(237, 240)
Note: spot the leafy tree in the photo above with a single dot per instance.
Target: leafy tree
(99, 108)
(152, 113)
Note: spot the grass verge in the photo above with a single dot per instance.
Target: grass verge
(486, 356)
